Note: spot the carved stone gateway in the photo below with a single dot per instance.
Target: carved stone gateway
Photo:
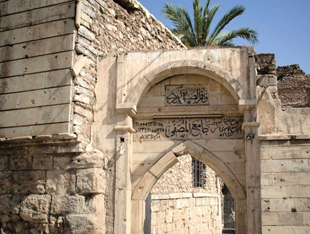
(167, 108)
(87, 126)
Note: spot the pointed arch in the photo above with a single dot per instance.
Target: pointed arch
(145, 185)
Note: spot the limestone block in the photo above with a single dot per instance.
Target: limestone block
(266, 80)
(81, 224)
(298, 191)
(36, 81)
(37, 16)
(291, 219)
(38, 115)
(36, 98)
(5, 204)
(37, 64)
(36, 48)
(56, 28)
(93, 159)
(60, 182)
(21, 162)
(96, 204)
(25, 182)
(35, 208)
(270, 218)
(163, 164)
(15, 6)
(4, 163)
(302, 204)
(276, 205)
(265, 63)
(63, 204)
(278, 230)
(287, 165)
(44, 162)
(90, 181)
(273, 191)
(83, 31)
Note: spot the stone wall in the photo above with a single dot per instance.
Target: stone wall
(185, 213)
(110, 27)
(52, 178)
(179, 179)
(36, 55)
(51, 188)
(178, 206)
(285, 186)
(293, 86)
(284, 146)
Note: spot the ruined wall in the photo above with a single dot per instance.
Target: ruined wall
(284, 147)
(52, 180)
(106, 27)
(293, 86)
(51, 188)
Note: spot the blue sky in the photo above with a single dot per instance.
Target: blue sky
(283, 25)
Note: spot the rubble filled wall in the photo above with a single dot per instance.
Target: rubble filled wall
(177, 206)
(284, 147)
(106, 27)
(293, 86)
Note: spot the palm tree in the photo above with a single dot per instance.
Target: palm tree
(200, 34)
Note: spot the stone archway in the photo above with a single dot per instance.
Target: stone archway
(233, 106)
(143, 188)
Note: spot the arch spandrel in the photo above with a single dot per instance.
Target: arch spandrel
(147, 182)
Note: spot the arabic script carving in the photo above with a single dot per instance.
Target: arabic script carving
(226, 127)
(185, 95)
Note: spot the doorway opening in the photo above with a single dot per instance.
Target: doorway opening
(189, 198)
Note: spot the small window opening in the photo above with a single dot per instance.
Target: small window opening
(198, 172)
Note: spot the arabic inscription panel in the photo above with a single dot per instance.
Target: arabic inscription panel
(187, 90)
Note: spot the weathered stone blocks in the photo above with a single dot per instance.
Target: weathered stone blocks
(5, 182)
(35, 208)
(88, 160)
(266, 80)
(64, 204)
(90, 181)
(265, 63)
(60, 182)
(80, 224)
(26, 182)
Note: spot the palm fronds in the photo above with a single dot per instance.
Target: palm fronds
(198, 32)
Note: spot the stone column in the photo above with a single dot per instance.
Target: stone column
(241, 216)
(250, 128)
(123, 156)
